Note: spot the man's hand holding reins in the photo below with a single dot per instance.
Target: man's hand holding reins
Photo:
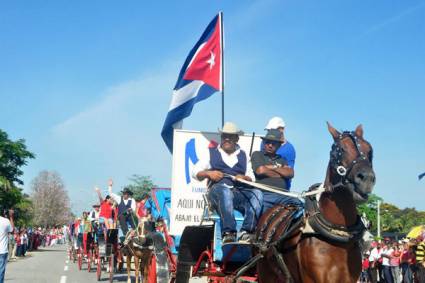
(212, 175)
(243, 177)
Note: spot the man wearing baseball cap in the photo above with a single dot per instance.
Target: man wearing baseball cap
(272, 169)
(226, 193)
(286, 149)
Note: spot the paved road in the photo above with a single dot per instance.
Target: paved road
(50, 265)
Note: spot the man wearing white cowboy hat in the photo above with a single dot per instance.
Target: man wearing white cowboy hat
(226, 194)
(272, 169)
(286, 150)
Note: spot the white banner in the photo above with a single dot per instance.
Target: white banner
(189, 147)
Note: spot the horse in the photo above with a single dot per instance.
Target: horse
(139, 245)
(323, 246)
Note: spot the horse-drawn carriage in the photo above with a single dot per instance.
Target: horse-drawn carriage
(202, 254)
(107, 253)
(318, 243)
(150, 246)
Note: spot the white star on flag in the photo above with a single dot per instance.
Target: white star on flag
(211, 61)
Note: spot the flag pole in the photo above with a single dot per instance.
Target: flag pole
(222, 68)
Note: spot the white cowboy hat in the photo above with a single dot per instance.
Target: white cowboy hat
(274, 123)
(230, 128)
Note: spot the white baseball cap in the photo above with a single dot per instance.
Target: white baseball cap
(274, 123)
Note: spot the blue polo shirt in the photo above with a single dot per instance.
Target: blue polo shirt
(287, 151)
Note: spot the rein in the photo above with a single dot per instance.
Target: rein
(279, 191)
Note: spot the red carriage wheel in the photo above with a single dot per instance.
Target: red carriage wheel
(98, 268)
(70, 254)
(111, 268)
(88, 261)
(152, 270)
(80, 259)
(74, 255)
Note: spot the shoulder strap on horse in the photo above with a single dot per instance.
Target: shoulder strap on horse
(320, 225)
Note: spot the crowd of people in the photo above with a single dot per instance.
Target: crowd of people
(394, 262)
(15, 241)
(30, 239)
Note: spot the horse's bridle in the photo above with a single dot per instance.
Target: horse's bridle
(337, 155)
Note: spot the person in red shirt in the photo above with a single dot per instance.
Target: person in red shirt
(406, 259)
(364, 276)
(141, 210)
(106, 210)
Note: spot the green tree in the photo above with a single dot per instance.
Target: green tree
(390, 218)
(410, 217)
(369, 208)
(393, 219)
(140, 185)
(25, 211)
(13, 156)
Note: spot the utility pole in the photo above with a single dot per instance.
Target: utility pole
(379, 218)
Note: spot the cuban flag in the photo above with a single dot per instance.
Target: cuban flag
(199, 78)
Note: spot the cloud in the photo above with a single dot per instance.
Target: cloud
(116, 137)
(392, 20)
(117, 102)
(256, 11)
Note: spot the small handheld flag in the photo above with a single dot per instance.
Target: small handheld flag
(199, 78)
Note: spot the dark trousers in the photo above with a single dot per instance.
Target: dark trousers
(3, 261)
(271, 199)
(364, 276)
(24, 249)
(246, 200)
(373, 274)
(406, 272)
(125, 220)
(19, 250)
(387, 274)
(420, 272)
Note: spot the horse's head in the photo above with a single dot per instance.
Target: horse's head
(350, 163)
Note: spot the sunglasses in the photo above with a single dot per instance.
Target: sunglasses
(229, 137)
(275, 143)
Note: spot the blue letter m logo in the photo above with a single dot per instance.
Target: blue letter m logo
(190, 154)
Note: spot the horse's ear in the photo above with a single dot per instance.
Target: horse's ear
(359, 131)
(334, 132)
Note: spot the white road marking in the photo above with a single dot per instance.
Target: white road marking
(66, 261)
(63, 279)
(65, 268)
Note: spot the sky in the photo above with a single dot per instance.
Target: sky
(88, 84)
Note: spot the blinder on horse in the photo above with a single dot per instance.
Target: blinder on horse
(337, 155)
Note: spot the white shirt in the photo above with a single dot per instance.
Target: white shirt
(386, 260)
(96, 215)
(229, 159)
(5, 229)
(375, 254)
(117, 199)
